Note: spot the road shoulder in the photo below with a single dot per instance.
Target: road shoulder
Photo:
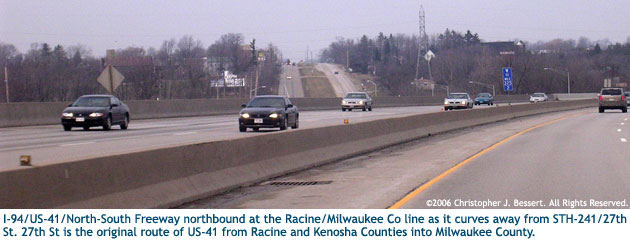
(377, 179)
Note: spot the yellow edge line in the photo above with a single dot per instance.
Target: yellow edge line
(418, 190)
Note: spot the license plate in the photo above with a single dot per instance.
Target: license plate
(80, 119)
(611, 99)
(258, 120)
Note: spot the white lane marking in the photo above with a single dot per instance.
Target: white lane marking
(625, 119)
(618, 130)
(82, 143)
(623, 123)
(624, 140)
(185, 133)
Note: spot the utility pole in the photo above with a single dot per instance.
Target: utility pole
(421, 35)
(347, 59)
(6, 82)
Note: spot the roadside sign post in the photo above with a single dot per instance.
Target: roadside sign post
(110, 78)
(507, 82)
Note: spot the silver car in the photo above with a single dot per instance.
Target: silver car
(356, 100)
(458, 100)
(538, 97)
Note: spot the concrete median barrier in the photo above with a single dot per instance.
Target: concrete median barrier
(24, 114)
(171, 176)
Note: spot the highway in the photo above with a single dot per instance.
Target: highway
(290, 87)
(579, 158)
(341, 82)
(570, 156)
(50, 144)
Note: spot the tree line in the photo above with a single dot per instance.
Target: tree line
(178, 69)
(463, 57)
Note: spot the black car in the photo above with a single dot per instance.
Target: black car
(95, 110)
(268, 112)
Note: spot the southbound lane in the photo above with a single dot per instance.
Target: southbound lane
(572, 160)
(50, 144)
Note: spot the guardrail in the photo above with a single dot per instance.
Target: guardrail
(24, 114)
(171, 176)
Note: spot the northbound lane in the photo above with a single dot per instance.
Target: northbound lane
(50, 144)
(566, 165)
(572, 160)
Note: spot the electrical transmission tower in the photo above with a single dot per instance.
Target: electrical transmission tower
(421, 38)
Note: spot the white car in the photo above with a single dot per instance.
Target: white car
(288, 77)
(458, 100)
(538, 97)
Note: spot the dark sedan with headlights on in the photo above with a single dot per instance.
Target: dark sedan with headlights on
(268, 112)
(95, 110)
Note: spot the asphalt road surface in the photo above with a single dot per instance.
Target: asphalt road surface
(570, 162)
(569, 157)
(290, 87)
(341, 82)
(50, 144)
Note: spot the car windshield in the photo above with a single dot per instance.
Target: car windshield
(356, 95)
(457, 96)
(483, 95)
(92, 102)
(611, 92)
(538, 95)
(268, 102)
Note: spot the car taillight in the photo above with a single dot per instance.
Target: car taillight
(623, 98)
(600, 98)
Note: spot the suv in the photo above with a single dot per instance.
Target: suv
(612, 98)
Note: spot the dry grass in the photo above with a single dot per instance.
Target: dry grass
(311, 71)
(317, 87)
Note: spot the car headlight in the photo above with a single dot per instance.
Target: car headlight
(344, 102)
(360, 102)
(67, 115)
(245, 115)
(273, 115)
(445, 102)
(95, 115)
(463, 102)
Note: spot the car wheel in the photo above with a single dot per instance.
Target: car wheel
(297, 123)
(67, 127)
(624, 110)
(125, 123)
(601, 110)
(284, 124)
(86, 127)
(255, 129)
(108, 123)
(242, 128)
(350, 109)
(343, 109)
(364, 109)
(370, 108)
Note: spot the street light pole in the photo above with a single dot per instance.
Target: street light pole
(568, 82)
(255, 90)
(375, 88)
(6, 82)
(484, 84)
(568, 75)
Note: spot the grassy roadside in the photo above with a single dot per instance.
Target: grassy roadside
(317, 87)
(315, 82)
(311, 71)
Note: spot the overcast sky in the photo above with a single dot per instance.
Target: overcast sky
(294, 25)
